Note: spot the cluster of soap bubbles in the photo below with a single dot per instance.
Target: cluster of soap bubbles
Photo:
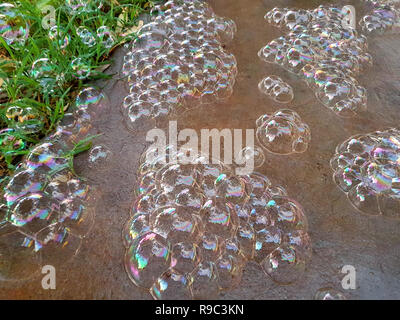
(43, 211)
(383, 18)
(324, 52)
(283, 132)
(178, 61)
(277, 89)
(77, 7)
(14, 28)
(366, 167)
(195, 225)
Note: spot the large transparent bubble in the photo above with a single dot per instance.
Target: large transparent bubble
(283, 132)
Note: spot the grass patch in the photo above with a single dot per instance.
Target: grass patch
(49, 49)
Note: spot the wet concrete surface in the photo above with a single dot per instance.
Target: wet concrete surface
(340, 235)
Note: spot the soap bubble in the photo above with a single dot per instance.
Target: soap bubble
(185, 256)
(207, 223)
(171, 286)
(99, 157)
(278, 90)
(45, 213)
(57, 33)
(204, 282)
(254, 154)
(75, 5)
(283, 132)
(284, 265)
(366, 168)
(86, 36)
(19, 261)
(106, 36)
(384, 18)
(329, 294)
(81, 70)
(147, 257)
(229, 272)
(14, 28)
(26, 119)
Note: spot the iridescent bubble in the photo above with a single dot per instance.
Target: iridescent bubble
(283, 132)
(46, 158)
(75, 5)
(171, 286)
(278, 90)
(55, 243)
(33, 212)
(147, 258)
(99, 157)
(44, 72)
(86, 36)
(325, 53)
(14, 28)
(284, 265)
(383, 18)
(27, 119)
(178, 61)
(80, 68)
(204, 282)
(185, 256)
(229, 272)
(106, 37)
(254, 154)
(57, 33)
(19, 261)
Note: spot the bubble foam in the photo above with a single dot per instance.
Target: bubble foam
(178, 62)
(44, 211)
(366, 168)
(194, 226)
(325, 53)
(384, 18)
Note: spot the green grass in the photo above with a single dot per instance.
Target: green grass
(31, 106)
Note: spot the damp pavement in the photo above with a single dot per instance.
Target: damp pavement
(340, 235)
